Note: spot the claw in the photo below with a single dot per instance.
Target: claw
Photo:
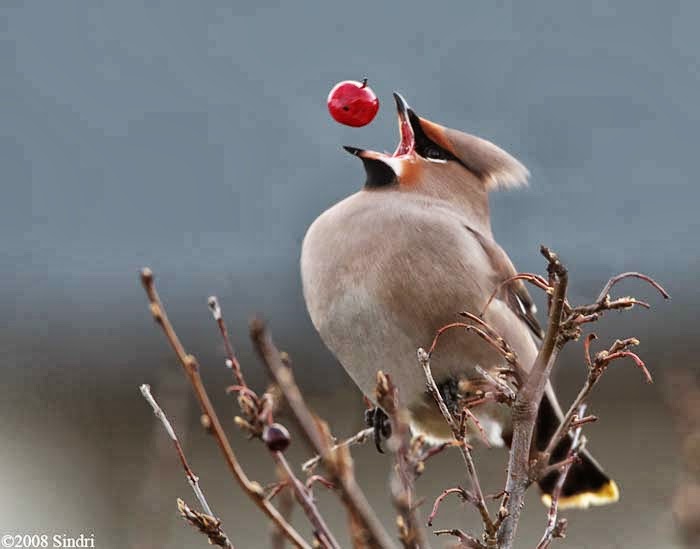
(379, 421)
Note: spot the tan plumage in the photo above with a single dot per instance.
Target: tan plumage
(385, 268)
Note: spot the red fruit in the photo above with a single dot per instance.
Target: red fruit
(353, 103)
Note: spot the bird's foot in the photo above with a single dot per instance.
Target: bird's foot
(449, 389)
(377, 419)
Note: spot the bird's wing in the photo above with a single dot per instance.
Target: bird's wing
(516, 295)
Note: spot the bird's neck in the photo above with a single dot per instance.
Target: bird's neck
(468, 197)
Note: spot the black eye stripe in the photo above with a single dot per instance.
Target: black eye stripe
(426, 147)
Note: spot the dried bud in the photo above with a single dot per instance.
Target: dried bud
(205, 420)
(276, 437)
(214, 307)
(560, 528)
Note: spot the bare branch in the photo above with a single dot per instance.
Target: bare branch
(322, 533)
(487, 334)
(467, 414)
(461, 492)
(407, 457)
(499, 384)
(465, 449)
(615, 279)
(596, 368)
(231, 359)
(191, 368)
(207, 524)
(285, 504)
(534, 279)
(527, 402)
(191, 477)
(341, 473)
(466, 540)
(358, 438)
(554, 527)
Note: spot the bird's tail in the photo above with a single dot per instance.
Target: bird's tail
(586, 484)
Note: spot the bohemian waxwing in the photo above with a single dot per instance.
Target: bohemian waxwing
(386, 267)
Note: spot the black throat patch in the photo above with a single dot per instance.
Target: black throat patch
(379, 174)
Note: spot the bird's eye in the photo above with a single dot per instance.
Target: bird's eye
(433, 153)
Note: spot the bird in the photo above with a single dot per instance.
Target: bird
(383, 269)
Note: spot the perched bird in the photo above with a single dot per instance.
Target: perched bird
(385, 268)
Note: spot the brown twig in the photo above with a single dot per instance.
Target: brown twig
(535, 279)
(465, 450)
(220, 535)
(318, 479)
(408, 463)
(258, 411)
(467, 541)
(487, 335)
(615, 279)
(285, 504)
(554, 527)
(231, 359)
(191, 368)
(341, 474)
(461, 492)
(467, 414)
(596, 368)
(564, 324)
(499, 384)
(209, 526)
(589, 313)
(323, 534)
(358, 438)
(527, 402)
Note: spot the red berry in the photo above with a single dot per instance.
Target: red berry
(353, 103)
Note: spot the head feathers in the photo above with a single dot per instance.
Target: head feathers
(494, 166)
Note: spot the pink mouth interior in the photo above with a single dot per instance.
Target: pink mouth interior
(407, 142)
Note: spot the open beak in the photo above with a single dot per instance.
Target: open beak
(407, 139)
(407, 144)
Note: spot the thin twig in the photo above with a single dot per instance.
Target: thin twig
(318, 479)
(231, 359)
(209, 526)
(461, 492)
(466, 540)
(407, 464)
(553, 525)
(595, 370)
(358, 438)
(491, 338)
(468, 414)
(497, 382)
(527, 402)
(285, 504)
(321, 531)
(191, 477)
(259, 412)
(615, 279)
(341, 474)
(535, 279)
(480, 503)
(191, 368)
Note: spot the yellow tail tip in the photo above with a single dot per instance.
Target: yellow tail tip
(609, 493)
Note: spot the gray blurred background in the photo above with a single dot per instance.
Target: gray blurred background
(193, 137)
